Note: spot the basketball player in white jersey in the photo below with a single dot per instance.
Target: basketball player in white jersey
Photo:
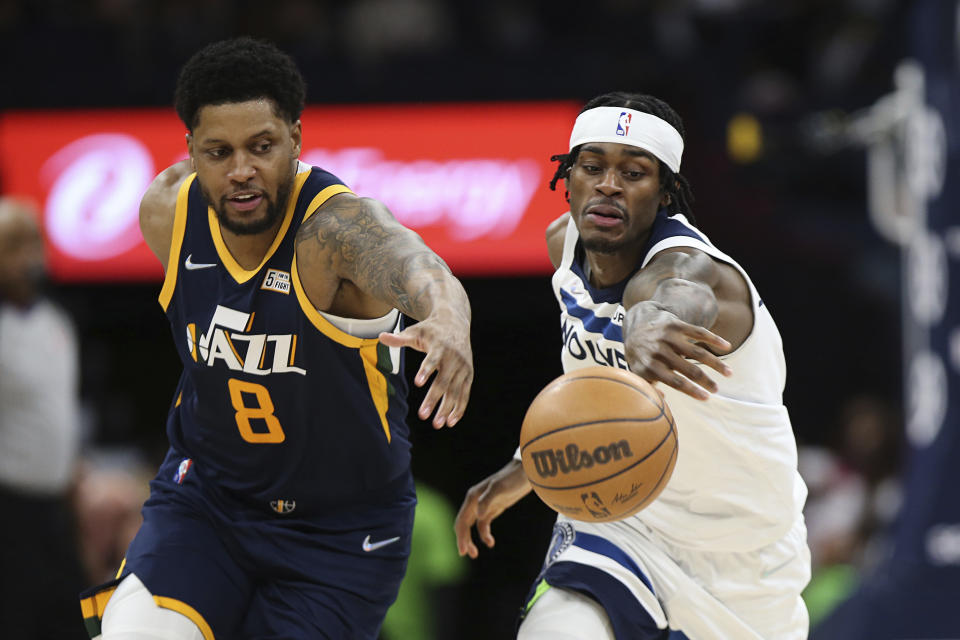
(722, 553)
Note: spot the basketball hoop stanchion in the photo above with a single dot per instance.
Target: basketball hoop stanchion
(912, 203)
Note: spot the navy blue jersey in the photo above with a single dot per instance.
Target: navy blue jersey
(276, 406)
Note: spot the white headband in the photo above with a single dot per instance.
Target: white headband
(627, 126)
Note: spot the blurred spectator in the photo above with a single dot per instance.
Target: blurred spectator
(108, 499)
(40, 572)
(854, 496)
(376, 29)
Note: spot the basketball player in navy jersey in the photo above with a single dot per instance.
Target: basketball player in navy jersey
(284, 508)
(722, 552)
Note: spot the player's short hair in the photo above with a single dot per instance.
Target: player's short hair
(681, 196)
(238, 70)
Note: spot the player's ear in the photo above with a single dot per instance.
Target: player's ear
(193, 161)
(296, 135)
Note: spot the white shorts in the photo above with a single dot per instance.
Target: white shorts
(648, 586)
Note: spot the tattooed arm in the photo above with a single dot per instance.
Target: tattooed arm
(683, 308)
(356, 260)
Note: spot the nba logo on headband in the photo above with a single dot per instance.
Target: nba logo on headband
(635, 128)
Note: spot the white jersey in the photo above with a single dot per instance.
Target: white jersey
(39, 432)
(735, 486)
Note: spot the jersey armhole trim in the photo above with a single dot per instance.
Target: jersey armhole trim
(570, 237)
(716, 254)
(176, 242)
(325, 194)
(369, 350)
(323, 325)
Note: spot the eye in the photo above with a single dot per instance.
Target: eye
(263, 147)
(217, 152)
(634, 174)
(590, 168)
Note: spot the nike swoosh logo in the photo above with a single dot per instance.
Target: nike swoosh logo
(373, 546)
(191, 265)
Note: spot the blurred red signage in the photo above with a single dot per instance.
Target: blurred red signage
(471, 179)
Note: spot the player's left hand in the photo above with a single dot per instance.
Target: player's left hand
(445, 339)
(485, 501)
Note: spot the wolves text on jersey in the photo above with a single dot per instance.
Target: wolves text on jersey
(227, 329)
(582, 346)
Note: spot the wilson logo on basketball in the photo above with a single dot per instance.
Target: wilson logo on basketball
(549, 462)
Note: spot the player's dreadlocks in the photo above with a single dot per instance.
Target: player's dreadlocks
(236, 71)
(681, 197)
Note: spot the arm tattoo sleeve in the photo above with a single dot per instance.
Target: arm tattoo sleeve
(368, 247)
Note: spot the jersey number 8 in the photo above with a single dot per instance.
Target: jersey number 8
(262, 410)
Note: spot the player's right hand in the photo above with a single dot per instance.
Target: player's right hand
(485, 501)
(445, 339)
(662, 348)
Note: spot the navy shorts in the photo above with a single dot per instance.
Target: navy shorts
(242, 573)
(630, 621)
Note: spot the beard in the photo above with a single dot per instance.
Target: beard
(275, 209)
(603, 245)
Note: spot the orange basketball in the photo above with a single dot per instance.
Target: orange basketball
(598, 444)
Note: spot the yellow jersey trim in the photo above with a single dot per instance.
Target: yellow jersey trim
(240, 274)
(366, 346)
(377, 383)
(185, 609)
(124, 563)
(192, 328)
(323, 325)
(94, 606)
(176, 243)
(325, 194)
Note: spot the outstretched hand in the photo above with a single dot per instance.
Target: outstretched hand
(485, 501)
(666, 349)
(446, 343)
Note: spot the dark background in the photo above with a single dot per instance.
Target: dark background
(795, 217)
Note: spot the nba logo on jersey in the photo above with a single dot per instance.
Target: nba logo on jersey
(563, 536)
(623, 123)
(182, 470)
(283, 506)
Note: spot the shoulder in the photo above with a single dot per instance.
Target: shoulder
(158, 206)
(346, 217)
(344, 229)
(162, 192)
(683, 267)
(556, 232)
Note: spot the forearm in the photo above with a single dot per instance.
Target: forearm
(397, 267)
(691, 302)
(416, 281)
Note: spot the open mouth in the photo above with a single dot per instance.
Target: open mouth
(245, 201)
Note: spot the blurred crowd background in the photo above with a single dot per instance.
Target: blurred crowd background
(760, 85)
